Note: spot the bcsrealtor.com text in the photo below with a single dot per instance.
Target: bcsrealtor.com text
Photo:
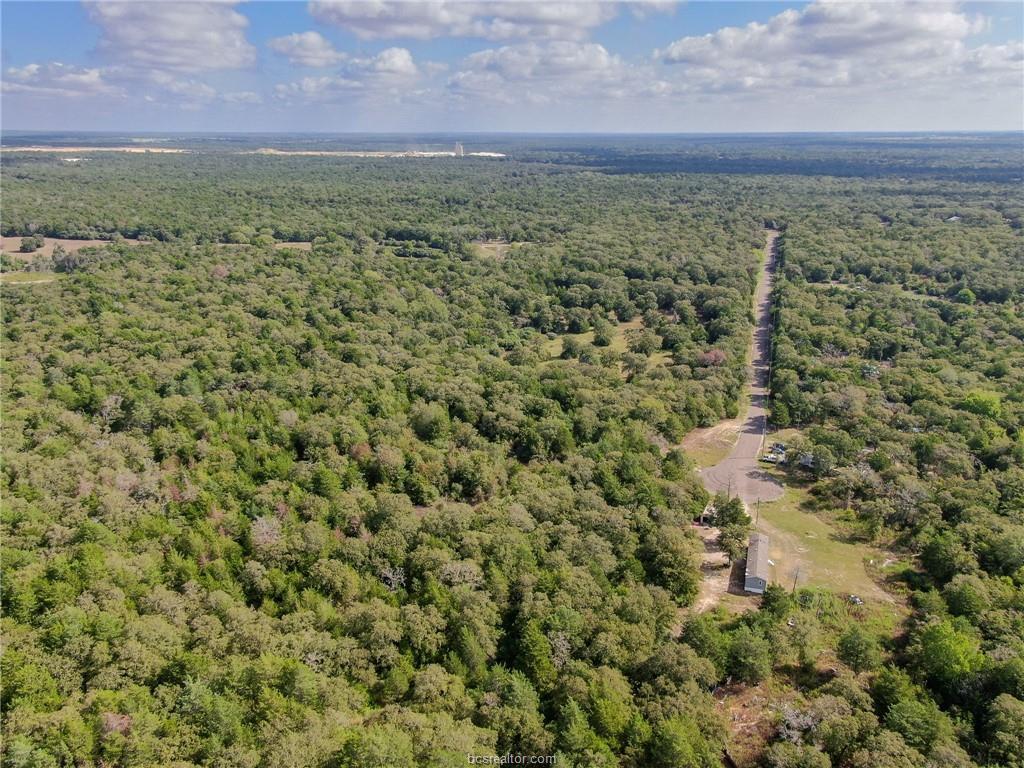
(511, 759)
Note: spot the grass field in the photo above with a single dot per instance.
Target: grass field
(708, 446)
(12, 246)
(495, 249)
(553, 347)
(809, 551)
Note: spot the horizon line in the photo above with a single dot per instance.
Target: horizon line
(449, 132)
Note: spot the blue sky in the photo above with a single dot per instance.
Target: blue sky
(515, 65)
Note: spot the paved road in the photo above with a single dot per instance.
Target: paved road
(740, 473)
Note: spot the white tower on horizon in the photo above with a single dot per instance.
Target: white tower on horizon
(459, 152)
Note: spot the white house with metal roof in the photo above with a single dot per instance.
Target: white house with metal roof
(755, 578)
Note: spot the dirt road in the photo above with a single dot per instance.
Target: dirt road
(740, 474)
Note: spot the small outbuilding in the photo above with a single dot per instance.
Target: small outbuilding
(755, 579)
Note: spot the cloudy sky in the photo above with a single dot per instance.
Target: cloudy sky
(515, 65)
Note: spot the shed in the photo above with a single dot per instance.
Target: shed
(755, 578)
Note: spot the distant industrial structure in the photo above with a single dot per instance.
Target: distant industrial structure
(755, 577)
(459, 151)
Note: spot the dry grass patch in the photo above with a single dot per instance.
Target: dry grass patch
(12, 245)
(553, 348)
(28, 278)
(808, 550)
(495, 249)
(619, 343)
(708, 446)
(750, 717)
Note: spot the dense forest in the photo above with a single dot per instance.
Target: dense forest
(899, 349)
(390, 496)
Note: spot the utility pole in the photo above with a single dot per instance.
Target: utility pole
(795, 577)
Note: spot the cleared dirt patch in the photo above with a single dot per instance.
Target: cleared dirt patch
(709, 445)
(715, 569)
(12, 246)
(749, 712)
(496, 249)
(303, 245)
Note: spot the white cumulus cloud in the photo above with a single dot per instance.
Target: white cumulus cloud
(425, 19)
(307, 49)
(177, 36)
(835, 44)
(55, 79)
(542, 72)
(391, 61)
(391, 70)
(242, 97)
(151, 51)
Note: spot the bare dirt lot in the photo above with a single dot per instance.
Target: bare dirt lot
(709, 445)
(715, 570)
(497, 249)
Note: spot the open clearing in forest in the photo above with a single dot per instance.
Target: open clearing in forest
(12, 246)
(28, 278)
(809, 551)
(721, 581)
(619, 343)
(749, 714)
(804, 548)
(298, 245)
(709, 445)
(495, 249)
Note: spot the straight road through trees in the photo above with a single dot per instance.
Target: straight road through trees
(739, 474)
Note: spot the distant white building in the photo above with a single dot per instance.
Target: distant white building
(755, 577)
(459, 151)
